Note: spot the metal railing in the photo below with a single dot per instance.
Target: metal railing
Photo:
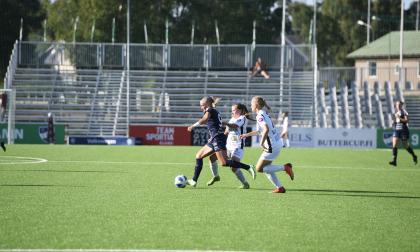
(162, 56)
(13, 62)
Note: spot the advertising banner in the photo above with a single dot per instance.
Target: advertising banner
(161, 135)
(301, 137)
(33, 133)
(199, 136)
(384, 138)
(345, 138)
(105, 140)
(298, 137)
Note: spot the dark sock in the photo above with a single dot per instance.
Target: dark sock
(198, 168)
(3, 146)
(236, 164)
(395, 153)
(410, 150)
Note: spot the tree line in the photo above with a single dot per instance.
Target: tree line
(337, 32)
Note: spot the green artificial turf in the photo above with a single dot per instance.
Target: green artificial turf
(101, 197)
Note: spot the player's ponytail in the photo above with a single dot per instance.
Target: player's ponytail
(261, 102)
(211, 100)
(244, 111)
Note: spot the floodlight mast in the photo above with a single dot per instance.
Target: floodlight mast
(128, 67)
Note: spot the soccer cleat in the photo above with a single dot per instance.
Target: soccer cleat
(289, 170)
(3, 146)
(213, 180)
(251, 170)
(191, 183)
(244, 186)
(394, 163)
(415, 159)
(279, 190)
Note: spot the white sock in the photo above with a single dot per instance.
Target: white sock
(214, 168)
(287, 143)
(273, 168)
(273, 179)
(240, 176)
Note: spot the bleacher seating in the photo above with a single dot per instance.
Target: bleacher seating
(93, 101)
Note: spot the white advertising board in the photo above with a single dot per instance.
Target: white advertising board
(345, 138)
(298, 137)
(329, 138)
(301, 137)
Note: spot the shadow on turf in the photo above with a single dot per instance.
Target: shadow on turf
(369, 194)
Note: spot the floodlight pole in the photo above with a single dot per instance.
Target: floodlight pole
(315, 68)
(128, 67)
(368, 24)
(283, 44)
(417, 15)
(401, 40)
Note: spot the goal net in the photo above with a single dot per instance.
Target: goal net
(7, 115)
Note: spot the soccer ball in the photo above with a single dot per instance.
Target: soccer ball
(180, 181)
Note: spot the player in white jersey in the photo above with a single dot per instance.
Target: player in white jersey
(234, 144)
(285, 129)
(271, 144)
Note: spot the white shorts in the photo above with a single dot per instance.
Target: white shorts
(238, 152)
(271, 156)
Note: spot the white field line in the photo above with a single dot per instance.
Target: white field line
(11, 160)
(108, 250)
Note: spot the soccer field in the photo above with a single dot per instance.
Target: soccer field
(101, 197)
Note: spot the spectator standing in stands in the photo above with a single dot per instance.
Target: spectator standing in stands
(260, 67)
(401, 132)
(285, 129)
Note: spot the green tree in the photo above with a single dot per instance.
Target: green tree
(302, 16)
(11, 13)
(234, 18)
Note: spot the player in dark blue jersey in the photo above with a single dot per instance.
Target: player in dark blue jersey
(217, 140)
(401, 132)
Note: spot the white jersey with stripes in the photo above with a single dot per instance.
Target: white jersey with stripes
(273, 138)
(233, 140)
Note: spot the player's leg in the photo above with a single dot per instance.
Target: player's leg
(269, 167)
(271, 175)
(407, 146)
(286, 140)
(237, 155)
(394, 149)
(222, 157)
(219, 146)
(205, 151)
(3, 146)
(214, 170)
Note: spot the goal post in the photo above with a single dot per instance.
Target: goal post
(7, 115)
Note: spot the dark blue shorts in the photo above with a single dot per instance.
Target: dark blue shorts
(401, 134)
(217, 143)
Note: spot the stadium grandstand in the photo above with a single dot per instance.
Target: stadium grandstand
(90, 88)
